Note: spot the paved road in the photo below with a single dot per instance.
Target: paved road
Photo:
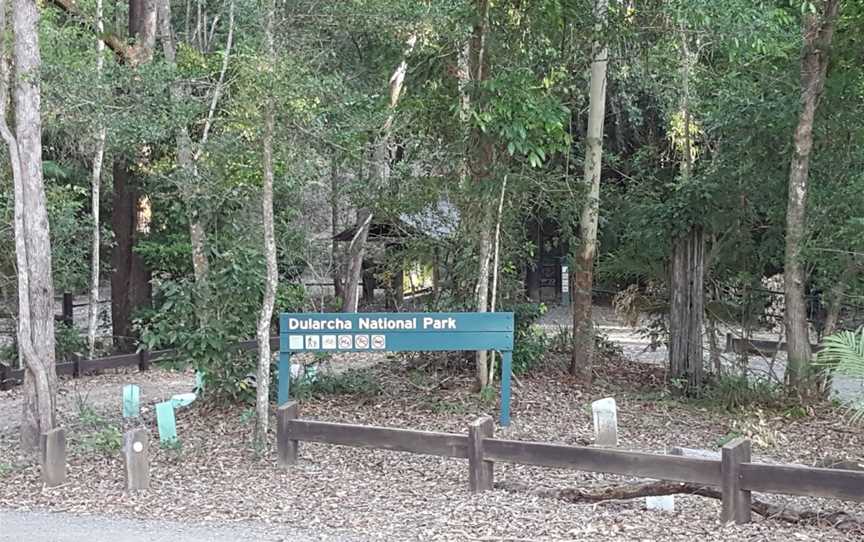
(62, 527)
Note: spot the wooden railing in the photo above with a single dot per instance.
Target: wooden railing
(78, 365)
(733, 473)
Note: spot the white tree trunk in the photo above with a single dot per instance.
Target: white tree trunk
(32, 238)
(262, 392)
(98, 155)
(583, 279)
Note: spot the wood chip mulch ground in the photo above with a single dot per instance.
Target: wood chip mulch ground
(340, 493)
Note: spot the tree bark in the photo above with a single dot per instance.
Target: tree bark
(818, 31)
(35, 330)
(379, 174)
(686, 311)
(837, 519)
(96, 179)
(582, 359)
(335, 253)
(262, 391)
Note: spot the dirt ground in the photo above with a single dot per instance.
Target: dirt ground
(338, 493)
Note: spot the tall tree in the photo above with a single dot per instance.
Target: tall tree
(130, 278)
(818, 31)
(687, 266)
(96, 183)
(583, 273)
(480, 160)
(35, 332)
(262, 393)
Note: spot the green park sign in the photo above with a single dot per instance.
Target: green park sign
(396, 332)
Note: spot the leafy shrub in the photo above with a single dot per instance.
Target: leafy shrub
(351, 382)
(530, 342)
(203, 326)
(735, 393)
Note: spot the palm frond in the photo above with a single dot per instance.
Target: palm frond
(843, 353)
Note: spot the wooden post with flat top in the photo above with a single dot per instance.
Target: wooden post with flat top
(286, 446)
(480, 476)
(736, 501)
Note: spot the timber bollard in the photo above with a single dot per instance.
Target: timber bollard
(136, 459)
(53, 455)
(286, 446)
(736, 501)
(481, 474)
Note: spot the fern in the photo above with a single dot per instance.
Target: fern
(843, 354)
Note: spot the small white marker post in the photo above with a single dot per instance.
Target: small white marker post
(605, 422)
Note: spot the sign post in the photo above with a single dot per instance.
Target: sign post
(396, 332)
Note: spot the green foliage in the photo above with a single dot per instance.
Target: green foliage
(69, 341)
(108, 440)
(843, 354)
(738, 393)
(530, 342)
(203, 325)
(351, 382)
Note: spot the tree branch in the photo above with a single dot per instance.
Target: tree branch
(838, 519)
(124, 52)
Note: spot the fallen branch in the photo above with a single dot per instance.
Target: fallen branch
(837, 519)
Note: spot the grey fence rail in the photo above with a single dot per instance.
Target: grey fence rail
(733, 473)
(79, 366)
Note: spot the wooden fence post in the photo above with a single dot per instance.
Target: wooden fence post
(68, 309)
(136, 459)
(144, 360)
(480, 475)
(736, 501)
(53, 448)
(286, 447)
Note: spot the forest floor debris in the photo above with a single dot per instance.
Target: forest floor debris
(216, 474)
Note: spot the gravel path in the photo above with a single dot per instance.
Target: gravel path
(62, 527)
(637, 348)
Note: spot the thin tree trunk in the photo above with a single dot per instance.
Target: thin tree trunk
(582, 359)
(482, 292)
(98, 155)
(818, 32)
(379, 173)
(335, 253)
(35, 331)
(262, 392)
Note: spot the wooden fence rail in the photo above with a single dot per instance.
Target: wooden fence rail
(78, 366)
(733, 473)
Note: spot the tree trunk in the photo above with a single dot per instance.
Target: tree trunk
(379, 173)
(482, 292)
(818, 31)
(262, 392)
(98, 155)
(686, 311)
(582, 359)
(35, 330)
(335, 253)
(130, 278)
